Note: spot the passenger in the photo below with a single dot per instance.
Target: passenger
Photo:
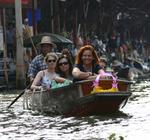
(38, 63)
(103, 63)
(43, 79)
(87, 63)
(64, 67)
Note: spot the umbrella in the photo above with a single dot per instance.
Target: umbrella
(57, 39)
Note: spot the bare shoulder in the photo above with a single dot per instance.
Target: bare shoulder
(40, 73)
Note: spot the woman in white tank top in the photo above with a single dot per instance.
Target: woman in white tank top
(44, 78)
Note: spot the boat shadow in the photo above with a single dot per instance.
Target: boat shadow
(102, 116)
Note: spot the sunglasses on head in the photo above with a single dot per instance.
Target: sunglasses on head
(53, 60)
(63, 63)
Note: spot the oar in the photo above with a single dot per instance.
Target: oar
(19, 96)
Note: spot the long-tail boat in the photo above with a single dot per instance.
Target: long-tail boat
(77, 99)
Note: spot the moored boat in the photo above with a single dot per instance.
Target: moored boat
(76, 99)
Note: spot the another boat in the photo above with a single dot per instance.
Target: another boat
(76, 99)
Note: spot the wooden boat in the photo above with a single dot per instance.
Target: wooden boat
(77, 100)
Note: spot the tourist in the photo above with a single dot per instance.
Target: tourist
(43, 79)
(67, 52)
(103, 63)
(64, 67)
(87, 64)
(38, 63)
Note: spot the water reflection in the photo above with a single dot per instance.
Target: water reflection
(132, 122)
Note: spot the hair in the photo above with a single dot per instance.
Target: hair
(80, 53)
(50, 55)
(67, 52)
(58, 70)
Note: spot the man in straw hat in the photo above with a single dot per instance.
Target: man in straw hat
(37, 64)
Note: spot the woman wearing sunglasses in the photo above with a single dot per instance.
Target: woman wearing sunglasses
(43, 79)
(87, 64)
(64, 67)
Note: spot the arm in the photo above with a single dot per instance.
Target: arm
(35, 84)
(93, 77)
(79, 74)
(32, 70)
(59, 79)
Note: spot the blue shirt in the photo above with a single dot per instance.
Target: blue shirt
(36, 65)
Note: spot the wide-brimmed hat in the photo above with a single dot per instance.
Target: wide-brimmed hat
(47, 40)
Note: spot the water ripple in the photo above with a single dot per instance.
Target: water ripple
(132, 122)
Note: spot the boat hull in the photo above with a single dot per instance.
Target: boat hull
(99, 103)
(76, 100)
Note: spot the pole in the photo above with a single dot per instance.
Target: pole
(34, 8)
(52, 16)
(20, 67)
(5, 47)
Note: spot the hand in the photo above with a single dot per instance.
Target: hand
(45, 87)
(40, 88)
(89, 74)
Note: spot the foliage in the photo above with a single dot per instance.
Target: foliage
(114, 137)
(65, 34)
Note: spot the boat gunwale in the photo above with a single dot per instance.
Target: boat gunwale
(118, 80)
(117, 93)
(82, 82)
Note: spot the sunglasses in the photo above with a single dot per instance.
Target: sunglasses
(63, 63)
(49, 61)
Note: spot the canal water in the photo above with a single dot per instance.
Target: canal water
(131, 123)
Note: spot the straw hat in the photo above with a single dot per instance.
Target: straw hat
(46, 40)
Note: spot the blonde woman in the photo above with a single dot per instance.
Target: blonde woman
(44, 78)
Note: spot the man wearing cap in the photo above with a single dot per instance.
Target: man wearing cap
(38, 63)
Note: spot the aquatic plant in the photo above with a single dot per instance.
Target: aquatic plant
(114, 137)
